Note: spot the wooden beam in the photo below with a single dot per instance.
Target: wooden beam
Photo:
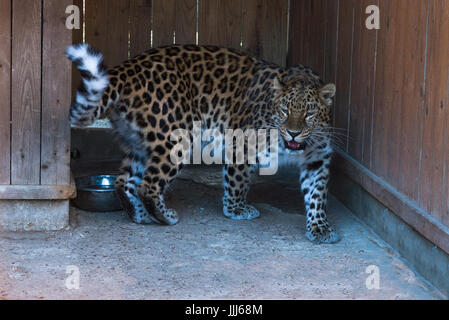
(5, 91)
(9, 192)
(398, 203)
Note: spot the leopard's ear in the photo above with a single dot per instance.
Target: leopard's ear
(327, 93)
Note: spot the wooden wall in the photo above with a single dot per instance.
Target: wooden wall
(35, 99)
(124, 28)
(392, 98)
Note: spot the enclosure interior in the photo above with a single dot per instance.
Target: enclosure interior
(392, 86)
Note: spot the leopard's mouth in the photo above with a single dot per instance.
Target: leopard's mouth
(295, 146)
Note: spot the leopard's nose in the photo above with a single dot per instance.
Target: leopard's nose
(294, 134)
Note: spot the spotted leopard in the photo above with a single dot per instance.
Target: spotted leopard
(168, 88)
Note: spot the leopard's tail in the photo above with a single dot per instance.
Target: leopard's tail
(88, 105)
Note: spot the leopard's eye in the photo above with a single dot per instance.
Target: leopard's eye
(284, 112)
(309, 115)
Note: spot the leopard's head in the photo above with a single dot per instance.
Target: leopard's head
(303, 109)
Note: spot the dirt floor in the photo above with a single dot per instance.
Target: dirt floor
(206, 256)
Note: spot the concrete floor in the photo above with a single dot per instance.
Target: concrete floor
(206, 256)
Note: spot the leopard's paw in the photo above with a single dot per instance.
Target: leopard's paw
(242, 212)
(322, 234)
(133, 207)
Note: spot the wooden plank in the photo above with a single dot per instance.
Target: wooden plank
(56, 95)
(186, 21)
(36, 192)
(5, 91)
(164, 21)
(77, 37)
(344, 65)
(399, 94)
(107, 26)
(265, 29)
(434, 145)
(398, 203)
(220, 23)
(140, 26)
(330, 44)
(26, 94)
(363, 83)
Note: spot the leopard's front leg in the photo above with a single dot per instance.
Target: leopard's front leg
(314, 180)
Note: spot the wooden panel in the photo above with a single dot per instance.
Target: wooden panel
(331, 9)
(28, 192)
(220, 22)
(56, 95)
(308, 23)
(77, 37)
(407, 210)
(26, 95)
(265, 29)
(164, 20)
(186, 21)
(432, 195)
(362, 87)
(5, 91)
(107, 28)
(344, 65)
(399, 93)
(140, 26)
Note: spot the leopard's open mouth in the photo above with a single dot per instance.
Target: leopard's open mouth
(295, 146)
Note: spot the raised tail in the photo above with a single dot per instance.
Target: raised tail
(88, 106)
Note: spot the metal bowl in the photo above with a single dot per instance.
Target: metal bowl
(97, 194)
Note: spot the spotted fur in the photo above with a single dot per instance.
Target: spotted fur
(164, 89)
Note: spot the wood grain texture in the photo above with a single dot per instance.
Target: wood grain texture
(36, 192)
(56, 95)
(390, 197)
(220, 22)
(362, 86)
(164, 21)
(265, 29)
(140, 26)
(107, 26)
(26, 92)
(399, 93)
(77, 37)
(433, 173)
(186, 21)
(345, 46)
(5, 91)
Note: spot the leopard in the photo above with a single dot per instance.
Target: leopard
(164, 89)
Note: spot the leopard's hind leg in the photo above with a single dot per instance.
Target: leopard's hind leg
(126, 189)
(159, 173)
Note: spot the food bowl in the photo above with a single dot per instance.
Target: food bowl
(97, 194)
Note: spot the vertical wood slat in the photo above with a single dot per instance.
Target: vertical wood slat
(77, 37)
(140, 26)
(265, 29)
(399, 94)
(186, 21)
(308, 48)
(107, 25)
(164, 21)
(26, 92)
(5, 91)
(344, 65)
(56, 95)
(362, 87)
(220, 22)
(433, 180)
